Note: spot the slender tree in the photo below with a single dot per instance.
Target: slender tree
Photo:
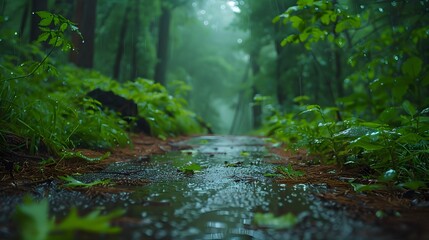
(85, 17)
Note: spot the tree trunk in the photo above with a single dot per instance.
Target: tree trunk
(85, 17)
(37, 5)
(163, 42)
(24, 19)
(121, 43)
(135, 38)
(256, 108)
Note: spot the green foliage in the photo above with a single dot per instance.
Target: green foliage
(381, 121)
(270, 221)
(52, 27)
(289, 172)
(397, 154)
(48, 108)
(190, 168)
(34, 222)
(166, 115)
(73, 182)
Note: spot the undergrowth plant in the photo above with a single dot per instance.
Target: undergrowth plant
(382, 124)
(45, 108)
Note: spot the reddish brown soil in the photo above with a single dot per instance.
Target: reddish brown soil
(402, 213)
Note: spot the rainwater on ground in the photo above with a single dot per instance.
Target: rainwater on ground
(217, 202)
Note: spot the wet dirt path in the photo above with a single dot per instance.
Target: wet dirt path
(217, 202)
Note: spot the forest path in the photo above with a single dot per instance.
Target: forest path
(211, 190)
(221, 199)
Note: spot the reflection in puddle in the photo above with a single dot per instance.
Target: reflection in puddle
(220, 201)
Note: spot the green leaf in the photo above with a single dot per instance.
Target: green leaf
(413, 185)
(326, 18)
(410, 138)
(304, 2)
(190, 168)
(43, 37)
(412, 66)
(92, 222)
(44, 14)
(63, 27)
(46, 21)
(33, 219)
(276, 18)
(72, 182)
(296, 21)
(366, 143)
(409, 108)
(348, 23)
(290, 39)
(269, 220)
(357, 187)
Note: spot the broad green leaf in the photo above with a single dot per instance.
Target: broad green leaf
(326, 18)
(303, 36)
(269, 220)
(413, 185)
(304, 2)
(367, 187)
(296, 21)
(44, 14)
(409, 108)
(410, 138)
(63, 27)
(46, 21)
(190, 168)
(366, 143)
(43, 37)
(276, 19)
(290, 39)
(33, 219)
(72, 182)
(348, 23)
(93, 222)
(412, 66)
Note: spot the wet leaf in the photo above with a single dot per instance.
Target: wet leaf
(357, 187)
(289, 171)
(412, 66)
(366, 143)
(190, 168)
(93, 222)
(270, 221)
(33, 219)
(72, 182)
(244, 154)
(409, 108)
(413, 185)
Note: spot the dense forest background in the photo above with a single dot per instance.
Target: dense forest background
(346, 79)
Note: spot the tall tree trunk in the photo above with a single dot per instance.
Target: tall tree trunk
(281, 91)
(121, 43)
(163, 42)
(135, 38)
(24, 18)
(256, 108)
(37, 5)
(85, 17)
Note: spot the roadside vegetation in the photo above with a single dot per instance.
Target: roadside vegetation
(379, 119)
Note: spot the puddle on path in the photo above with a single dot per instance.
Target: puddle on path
(217, 203)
